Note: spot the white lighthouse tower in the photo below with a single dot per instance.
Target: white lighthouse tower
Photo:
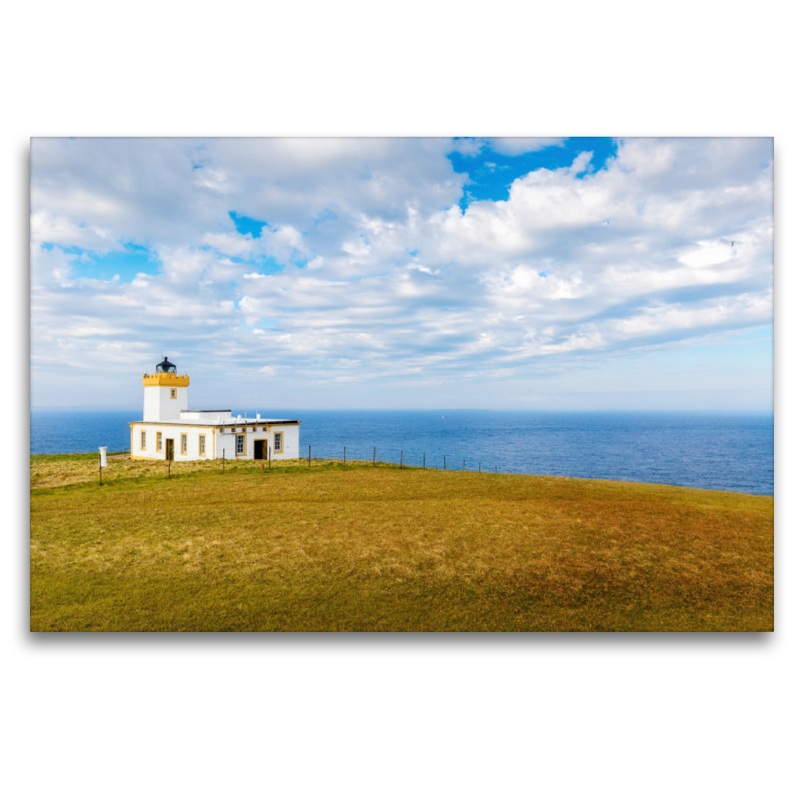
(166, 393)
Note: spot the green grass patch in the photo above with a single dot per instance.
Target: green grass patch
(356, 547)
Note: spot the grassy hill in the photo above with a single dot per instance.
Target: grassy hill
(363, 548)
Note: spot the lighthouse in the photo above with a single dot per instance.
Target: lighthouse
(171, 431)
(166, 393)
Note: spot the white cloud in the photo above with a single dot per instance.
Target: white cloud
(707, 254)
(47, 227)
(399, 281)
(467, 146)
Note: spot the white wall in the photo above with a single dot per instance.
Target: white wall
(201, 415)
(159, 406)
(226, 442)
(291, 445)
(172, 432)
(291, 440)
(216, 441)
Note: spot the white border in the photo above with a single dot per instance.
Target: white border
(556, 716)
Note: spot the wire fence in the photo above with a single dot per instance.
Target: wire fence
(417, 459)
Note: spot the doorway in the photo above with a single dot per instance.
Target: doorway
(260, 451)
(170, 449)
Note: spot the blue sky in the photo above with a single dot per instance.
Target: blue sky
(245, 225)
(491, 170)
(406, 273)
(123, 264)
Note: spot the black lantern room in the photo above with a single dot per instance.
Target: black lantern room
(166, 366)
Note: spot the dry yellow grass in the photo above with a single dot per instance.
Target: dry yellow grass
(363, 548)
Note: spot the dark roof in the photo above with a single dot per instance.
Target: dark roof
(166, 366)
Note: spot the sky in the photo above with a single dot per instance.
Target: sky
(496, 273)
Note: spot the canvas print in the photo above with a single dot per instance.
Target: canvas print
(401, 384)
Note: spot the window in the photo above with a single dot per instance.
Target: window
(173, 394)
(184, 444)
(278, 448)
(159, 442)
(144, 441)
(201, 446)
(239, 445)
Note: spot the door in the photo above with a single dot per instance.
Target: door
(258, 446)
(170, 449)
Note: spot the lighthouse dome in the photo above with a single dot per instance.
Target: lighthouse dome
(166, 366)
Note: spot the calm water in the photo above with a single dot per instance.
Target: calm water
(733, 452)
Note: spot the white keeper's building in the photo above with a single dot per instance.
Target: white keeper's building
(170, 430)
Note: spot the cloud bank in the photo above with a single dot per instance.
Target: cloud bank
(316, 262)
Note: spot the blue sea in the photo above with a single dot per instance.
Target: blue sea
(728, 451)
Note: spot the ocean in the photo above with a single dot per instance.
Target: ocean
(727, 451)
